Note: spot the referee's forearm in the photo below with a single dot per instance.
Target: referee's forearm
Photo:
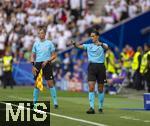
(53, 57)
(32, 58)
(78, 46)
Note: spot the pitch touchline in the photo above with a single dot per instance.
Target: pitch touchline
(79, 120)
(65, 117)
(134, 119)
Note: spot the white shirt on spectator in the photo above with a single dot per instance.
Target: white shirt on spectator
(28, 27)
(84, 3)
(8, 26)
(89, 18)
(61, 27)
(27, 41)
(61, 42)
(14, 47)
(81, 23)
(117, 11)
(145, 5)
(31, 19)
(75, 4)
(13, 37)
(21, 17)
(67, 34)
(108, 19)
(36, 3)
(2, 40)
(132, 10)
(123, 3)
(32, 11)
(108, 26)
(108, 6)
(51, 29)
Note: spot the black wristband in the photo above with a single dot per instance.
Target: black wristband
(33, 63)
(49, 61)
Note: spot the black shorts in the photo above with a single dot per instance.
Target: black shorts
(97, 72)
(47, 70)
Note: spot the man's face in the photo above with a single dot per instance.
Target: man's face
(42, 34)
(94, 37)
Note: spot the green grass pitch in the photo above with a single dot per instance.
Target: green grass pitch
(74, 105)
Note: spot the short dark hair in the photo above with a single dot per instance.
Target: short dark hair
(95, 32)
(42, 28)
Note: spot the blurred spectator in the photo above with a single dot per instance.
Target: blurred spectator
(3, 36)
(77, 71)
(117, 53)
(116, 81)
(61, 41)
(137, 77)
(1, 71)
(110, 62)
(125, 59)
(129, 51)
(27, 40)
(145, 66)
(67, 62)
(97, 20)
(73, 55)
(81, 23)
(20, 58)
(27, 53)
(7, 69)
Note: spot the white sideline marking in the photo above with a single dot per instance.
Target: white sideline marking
(127, 117)
(147, 121)
(79, 120)
(19, 98)
(134, 119)
(63, 116)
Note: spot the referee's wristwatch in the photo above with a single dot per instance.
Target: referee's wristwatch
(33, 63)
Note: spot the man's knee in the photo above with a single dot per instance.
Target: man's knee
(91, 89)
(100, 88)
(50, 83)
(91, 86)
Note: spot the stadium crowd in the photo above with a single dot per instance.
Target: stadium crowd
(64, 19)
